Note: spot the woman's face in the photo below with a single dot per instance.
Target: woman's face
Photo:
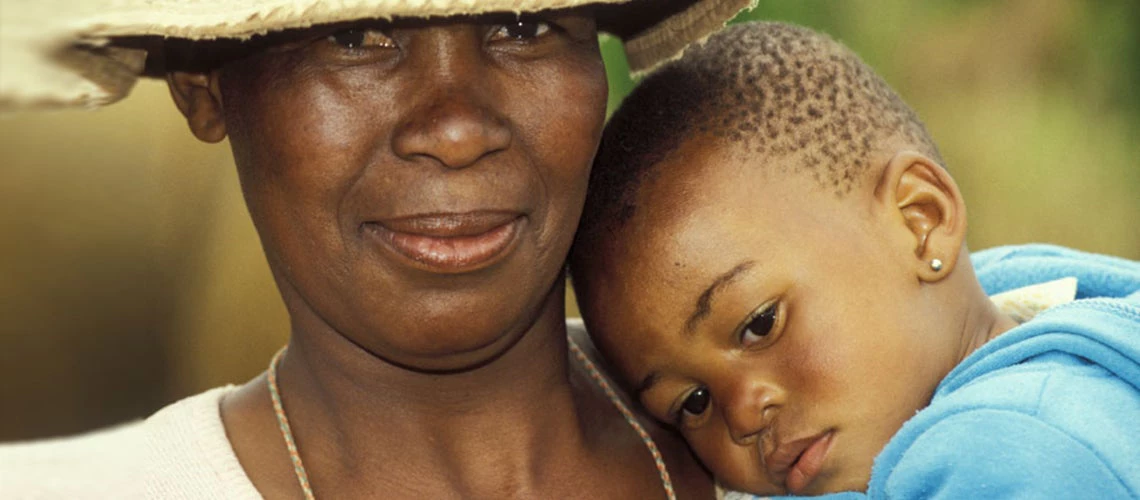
(416, 184)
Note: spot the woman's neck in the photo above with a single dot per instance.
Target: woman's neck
(347, 380)
(471, 433)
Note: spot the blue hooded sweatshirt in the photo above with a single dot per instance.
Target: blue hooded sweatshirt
(1048, 409)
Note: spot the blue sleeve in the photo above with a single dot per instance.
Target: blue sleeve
(845, 495)
(989, 453)
(1006, 268)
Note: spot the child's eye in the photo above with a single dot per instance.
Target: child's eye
(758, 325)
(520, 29)
(355, 38)
(695, 403)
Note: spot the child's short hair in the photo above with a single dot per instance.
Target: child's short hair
(775, 89)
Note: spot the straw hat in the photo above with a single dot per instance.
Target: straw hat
(65, 52)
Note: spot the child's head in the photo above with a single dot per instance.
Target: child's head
(773, 258)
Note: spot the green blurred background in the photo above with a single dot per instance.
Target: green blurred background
(130, 275)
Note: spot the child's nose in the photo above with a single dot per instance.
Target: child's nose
(749, 408)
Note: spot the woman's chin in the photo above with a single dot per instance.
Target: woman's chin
(457, 353)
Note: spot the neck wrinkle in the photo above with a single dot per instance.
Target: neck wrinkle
(983, 322)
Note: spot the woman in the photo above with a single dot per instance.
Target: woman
(415, 183)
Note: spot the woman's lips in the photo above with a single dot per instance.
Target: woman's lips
(450, 243)
(809, 462)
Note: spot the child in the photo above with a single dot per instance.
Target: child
(774, 259)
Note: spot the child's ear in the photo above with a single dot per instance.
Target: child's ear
(199, 98)
(921, 195)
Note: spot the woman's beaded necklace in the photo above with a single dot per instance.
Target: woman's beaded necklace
(595, 375)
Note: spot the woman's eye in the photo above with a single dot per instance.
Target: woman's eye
(520, 29)
(696, 402)
(758, 326)
(362, 38)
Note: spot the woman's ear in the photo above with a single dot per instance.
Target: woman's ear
(199, 98)
(929, 204)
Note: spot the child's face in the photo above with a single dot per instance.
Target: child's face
(779, 327)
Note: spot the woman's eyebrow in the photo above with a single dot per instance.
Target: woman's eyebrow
(704, 302)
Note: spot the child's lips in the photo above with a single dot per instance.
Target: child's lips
(795, 463)
(808, 465)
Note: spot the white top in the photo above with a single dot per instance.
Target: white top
(181, 452)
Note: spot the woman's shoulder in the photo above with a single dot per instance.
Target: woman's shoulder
(179, 452)
(189, 453)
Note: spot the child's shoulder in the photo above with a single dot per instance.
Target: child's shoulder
(1047, 406)
(1005, 268)
(1056, 422)
(1062, 389)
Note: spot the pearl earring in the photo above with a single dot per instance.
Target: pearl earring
(936, 264)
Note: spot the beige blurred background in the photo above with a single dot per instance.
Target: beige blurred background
(130, 275)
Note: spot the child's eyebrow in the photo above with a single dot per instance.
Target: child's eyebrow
(704, 302)
(649, 381)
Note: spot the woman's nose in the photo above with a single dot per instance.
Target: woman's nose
(456, 115)
(454, 130)
(749, 408)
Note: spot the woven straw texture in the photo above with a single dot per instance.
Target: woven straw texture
(58, 52)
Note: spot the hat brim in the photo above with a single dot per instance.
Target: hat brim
(53, 57)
